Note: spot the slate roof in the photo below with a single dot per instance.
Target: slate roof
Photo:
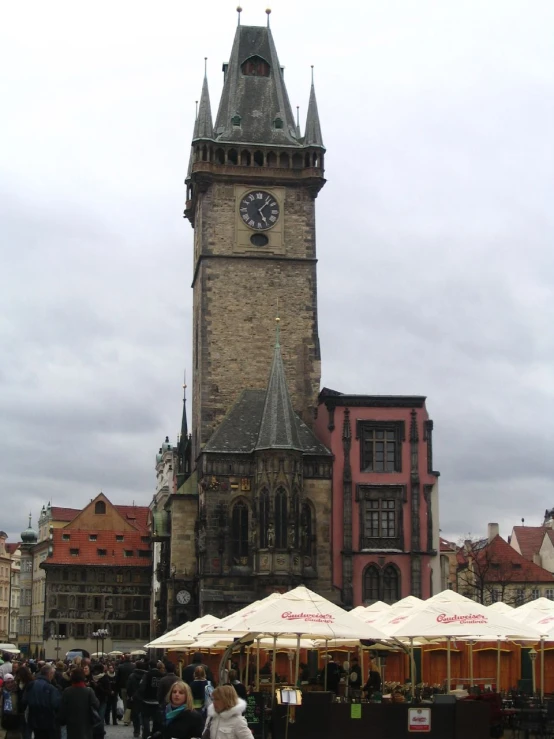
(239, 431)
(529, 539)
(312, 134)
(105, 540)
(278, 428)
(257, 100)
(203, 128)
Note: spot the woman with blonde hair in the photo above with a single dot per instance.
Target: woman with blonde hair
(181, 721)
(225, 719)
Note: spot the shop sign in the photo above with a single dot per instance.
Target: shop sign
(419, 720)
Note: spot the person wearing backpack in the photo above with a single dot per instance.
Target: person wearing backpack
(202, 690)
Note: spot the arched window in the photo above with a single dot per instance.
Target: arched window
(233, 156)
(371, 584)
(272, 159)
(391, 584)
(220, 156)
(297, 161)
(239, 531)
(259, 158)
(307, 160)
(100, 507)
(264, 518)
(284, 160)
(281, 519)
(204, 153)
(245, 158)
(255, 66)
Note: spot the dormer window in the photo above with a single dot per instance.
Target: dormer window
(235, 120)
(255, 66)
(278, 123)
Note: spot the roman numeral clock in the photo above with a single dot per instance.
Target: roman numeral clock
(259, 218)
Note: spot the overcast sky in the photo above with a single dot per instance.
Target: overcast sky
(435, 233)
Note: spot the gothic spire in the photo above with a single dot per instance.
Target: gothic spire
(184, 425)
(254, 105)
(278, 427)
(312, 134)
(203, 128)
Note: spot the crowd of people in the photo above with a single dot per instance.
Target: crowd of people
(75, 700)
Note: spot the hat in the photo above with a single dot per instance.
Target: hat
(8, 676)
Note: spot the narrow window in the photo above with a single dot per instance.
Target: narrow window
(371, 584)
(391, 584)
(99, 507)
(239, 535)
(264, 518)
(281, 519)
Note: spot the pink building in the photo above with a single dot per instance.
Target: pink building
(385, 520)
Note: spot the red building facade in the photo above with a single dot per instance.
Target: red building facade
(385, 522)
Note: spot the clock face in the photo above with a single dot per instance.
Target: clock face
(259, 210)
(183, 597)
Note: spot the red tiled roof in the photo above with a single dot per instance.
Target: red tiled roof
(529, 539)
(88, 550)
(64, 514)
(136, 515)
(513, 567)
(447, 546)
(11, 548)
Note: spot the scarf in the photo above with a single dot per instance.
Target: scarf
(171, 713)
(78, 685)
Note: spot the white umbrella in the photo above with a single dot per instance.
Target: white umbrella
(500, 607)
(184, 634)
(455, 619)
(538, 614)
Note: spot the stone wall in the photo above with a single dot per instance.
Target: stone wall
(236, 299)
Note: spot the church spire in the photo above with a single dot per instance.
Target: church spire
(312, 135)
(254, 106)
(278, 427)
(203, 128)
(184, 424)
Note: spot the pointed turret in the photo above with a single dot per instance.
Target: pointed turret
(203, 128)
(184, 443)
(278, 427)
(254, 106)
(312, 135)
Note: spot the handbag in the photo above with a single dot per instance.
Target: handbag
(206, 732)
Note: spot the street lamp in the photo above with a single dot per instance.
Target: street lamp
(58, 637)
(533, 657)
(96, 635)
(103, 633)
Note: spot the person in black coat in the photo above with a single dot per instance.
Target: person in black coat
(181, 721)
(75, 712)
(240, 689)
(43, 700)
(133, 697)
(188, 672)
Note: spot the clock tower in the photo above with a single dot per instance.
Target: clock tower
(251, 187)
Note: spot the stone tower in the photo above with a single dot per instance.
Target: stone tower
(251, 189)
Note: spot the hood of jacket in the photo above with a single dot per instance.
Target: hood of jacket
(237, 710)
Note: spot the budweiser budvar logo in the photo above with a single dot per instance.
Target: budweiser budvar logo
(467, 618)
(546, 620)
(321, 618)
(398, 619)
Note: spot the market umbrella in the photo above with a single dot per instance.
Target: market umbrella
(538, 614)
(455, 619)
(184, 634)
(302, 613)
(115, 653)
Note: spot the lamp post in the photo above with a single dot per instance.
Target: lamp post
(58, 638)
(96, 635)
(103, 633)
(533, 658)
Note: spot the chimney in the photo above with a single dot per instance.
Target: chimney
(494, 530)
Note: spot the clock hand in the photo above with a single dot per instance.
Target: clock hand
(262, 215)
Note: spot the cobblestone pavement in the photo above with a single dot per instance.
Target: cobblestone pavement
(119, 732)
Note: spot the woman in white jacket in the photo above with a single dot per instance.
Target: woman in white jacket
(225, 719)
